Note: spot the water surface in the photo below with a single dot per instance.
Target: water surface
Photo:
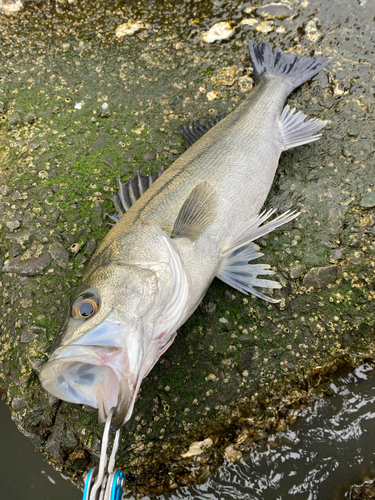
(328, 449)
(24, 473)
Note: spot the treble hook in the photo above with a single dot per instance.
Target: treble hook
(108, 483)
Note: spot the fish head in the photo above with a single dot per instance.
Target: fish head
(120, 321)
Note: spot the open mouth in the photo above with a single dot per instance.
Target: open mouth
(96, 375)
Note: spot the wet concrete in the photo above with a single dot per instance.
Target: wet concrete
(237, 358)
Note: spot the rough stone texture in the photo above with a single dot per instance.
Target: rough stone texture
(30, 118)
(59, 254)
(28, 267)
(5, 190)
(239, 377)
(365, 491)
(14, 120)
(320, 277)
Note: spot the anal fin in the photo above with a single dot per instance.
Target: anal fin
(235, 269)
(296, 131)
(197, 212)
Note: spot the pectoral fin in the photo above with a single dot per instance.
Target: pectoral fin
(235, 270)
(197, 212)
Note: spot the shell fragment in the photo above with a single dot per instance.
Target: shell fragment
(129, 29)
(219, 31)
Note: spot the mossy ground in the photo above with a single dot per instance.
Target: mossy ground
(237, 360)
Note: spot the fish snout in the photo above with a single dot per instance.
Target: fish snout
(83, 374)
(101, 369)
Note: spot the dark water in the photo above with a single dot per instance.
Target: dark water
(24, 473)
(329, 448)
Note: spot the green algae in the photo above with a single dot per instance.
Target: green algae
(236, 358)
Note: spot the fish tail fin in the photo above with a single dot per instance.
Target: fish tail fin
(265, 60)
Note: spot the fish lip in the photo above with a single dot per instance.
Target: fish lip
(117, 390)
(61, 374)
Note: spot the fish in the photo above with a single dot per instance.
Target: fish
(173, 234)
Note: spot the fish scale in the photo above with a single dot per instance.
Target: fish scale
(198, 220)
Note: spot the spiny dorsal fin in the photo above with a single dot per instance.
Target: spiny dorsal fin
(197, 130)
(197, 212)
(131, 191)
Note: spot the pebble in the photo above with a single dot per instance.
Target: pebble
(148, 157)
(5, 190)
(208, 308)
(27, 336)
(336, 254)
(12, 224)
(30, 267)
(368, 201)
(10, 7)
(16, 196)
(97, 215)
(90, 247)
(18, 403)
(279, 11)
(20, 237)
(260, 435)
(320, 277)
(30, 118)
(14, 120)
(311, 31)
(296, 270)
(59, 254)
(36, 364)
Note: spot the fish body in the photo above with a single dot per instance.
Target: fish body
(195, 222)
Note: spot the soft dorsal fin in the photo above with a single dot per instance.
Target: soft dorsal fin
(131, 191)
(197, 129)
(197, 212)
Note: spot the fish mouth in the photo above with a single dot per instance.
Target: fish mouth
(101, 376)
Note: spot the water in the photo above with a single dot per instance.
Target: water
(329, 448)
(24, 473)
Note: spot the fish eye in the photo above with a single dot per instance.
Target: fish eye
(85, 306)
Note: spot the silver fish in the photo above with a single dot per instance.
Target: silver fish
(196, 221)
